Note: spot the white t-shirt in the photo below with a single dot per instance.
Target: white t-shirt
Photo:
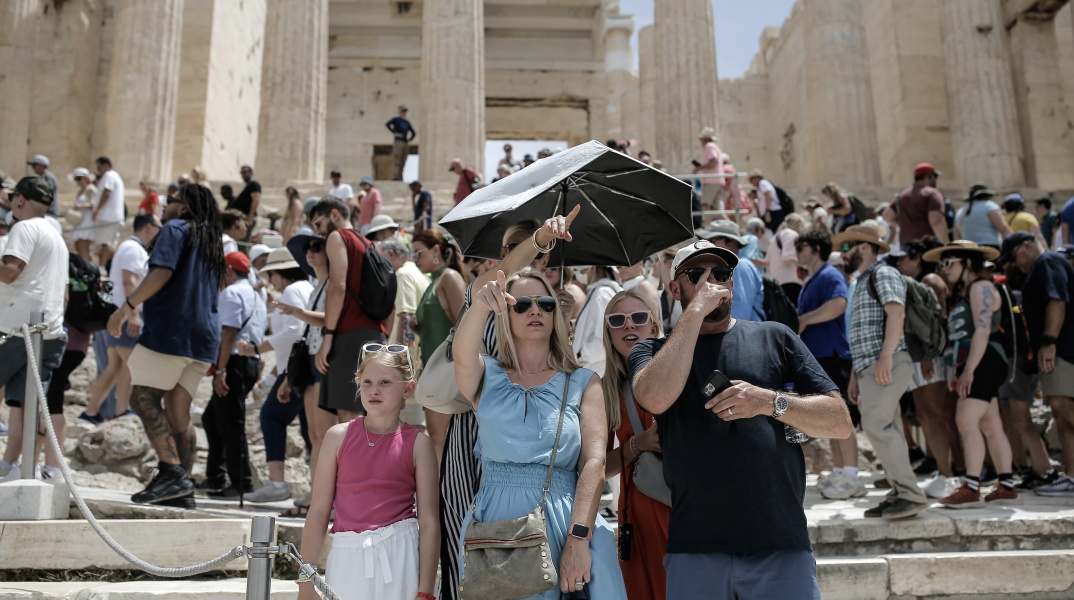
(286, 330)
(130, 256)
(343, 192)
(230, 245)
(766, 187)
(113, 211)
(41, 285)
(589, 328)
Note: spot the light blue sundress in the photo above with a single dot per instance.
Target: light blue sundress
(517, 427)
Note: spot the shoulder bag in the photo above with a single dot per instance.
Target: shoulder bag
(649, 467)
(437, 389)
(299, 370)
(511, 559)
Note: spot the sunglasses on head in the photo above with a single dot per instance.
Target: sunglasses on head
(313, 246)
(720, 274)
(545, 303)
(374, 347)
(846, 246)
(617, 320)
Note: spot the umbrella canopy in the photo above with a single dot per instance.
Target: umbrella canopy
(629, 209)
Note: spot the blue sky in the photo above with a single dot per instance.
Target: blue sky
(739, 24)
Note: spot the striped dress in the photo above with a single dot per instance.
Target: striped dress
(460, 477)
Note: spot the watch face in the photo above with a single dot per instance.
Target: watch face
(580, 531)
(781, 403)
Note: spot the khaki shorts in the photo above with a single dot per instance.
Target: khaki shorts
(1060, 382)
(164, 371)
(106, 234)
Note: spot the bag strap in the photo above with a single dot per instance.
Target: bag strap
(450, 339)
(632, 409)
(306, 331)
(555, 445)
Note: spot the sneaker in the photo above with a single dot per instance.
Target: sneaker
(50, 474)
(989, 477)
(824, 483)
(916, 457)
(11, 474)
(843, 487)
(940, 486)
(89, 420)
(878, 510)
(181, 502)
(268, 493)
(3, 427)
(902, 508)
(963, 497)
(927, 468)
(1061, 488)
(1023, 471)
(882, 483)
(1034, 481)
(205, 486)
(125, 414)
(228, 492)
(1001, 495)
(170, 482)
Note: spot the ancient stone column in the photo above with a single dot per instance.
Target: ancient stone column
(980, 91)
(647, 85)
(452, 121)
(839, 89)
(16, 92)
(294, 87)
(139, 133)
(1046, 135)
(686, 78)
(618, 67)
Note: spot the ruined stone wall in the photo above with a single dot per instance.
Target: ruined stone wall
(789, 121)
(745, 109)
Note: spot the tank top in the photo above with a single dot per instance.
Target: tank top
(433, 322)
(960, 329)
(351, 316)
(375, 485)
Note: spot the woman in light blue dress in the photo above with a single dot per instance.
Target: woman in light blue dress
(517, 401)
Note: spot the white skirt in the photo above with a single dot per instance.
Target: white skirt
(375, 565)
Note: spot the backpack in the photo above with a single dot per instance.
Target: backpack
(376, 297)
(778, 306)
(925, 326)
(1013, 332)
(858, 209)
(89, 303)
(786, 203)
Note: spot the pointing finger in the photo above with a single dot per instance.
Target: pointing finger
(573, 214)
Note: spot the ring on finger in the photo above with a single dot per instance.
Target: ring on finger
(729, 413)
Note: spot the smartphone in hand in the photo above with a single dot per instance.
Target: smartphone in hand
(716, 383)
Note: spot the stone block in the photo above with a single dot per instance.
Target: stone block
(853, 578)
(32, 500)
(1022, 573)
(219, 589)
(58, 545)
(842, 528)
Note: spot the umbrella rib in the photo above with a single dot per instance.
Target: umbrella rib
(619, 239)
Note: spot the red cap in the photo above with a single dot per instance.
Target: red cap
(237, 261)
(925, 169)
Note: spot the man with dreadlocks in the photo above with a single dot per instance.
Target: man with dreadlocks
(186, 274)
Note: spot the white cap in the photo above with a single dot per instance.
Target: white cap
(79, 172)
(702, 247)
(39, 159)
(258, 250)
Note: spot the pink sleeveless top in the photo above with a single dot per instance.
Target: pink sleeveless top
(375, 485)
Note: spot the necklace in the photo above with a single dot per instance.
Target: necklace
(532, 372)
(383, 435)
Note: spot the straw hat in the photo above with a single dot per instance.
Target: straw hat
(280, 259)
(708, 133)
(960, 247)
(862, 233)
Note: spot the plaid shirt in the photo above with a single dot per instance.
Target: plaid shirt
(867, 315)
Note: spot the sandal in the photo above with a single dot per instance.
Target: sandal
(296, 512)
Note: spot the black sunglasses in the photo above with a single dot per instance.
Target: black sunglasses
(720, 274)
(545, 303)
(313, 247)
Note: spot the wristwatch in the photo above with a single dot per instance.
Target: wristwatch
(1048, 340)
(780, 404)
(326, 331)
(581, 532)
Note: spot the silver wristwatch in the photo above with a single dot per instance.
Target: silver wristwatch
(780, 404)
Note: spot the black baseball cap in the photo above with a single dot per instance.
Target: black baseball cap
(1013, 241)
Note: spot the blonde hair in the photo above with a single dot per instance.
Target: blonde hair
(793, 218)
(615, 373)
(392, 360)
(560, 354)
(528, 226)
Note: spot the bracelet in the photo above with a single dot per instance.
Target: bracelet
(1048, 340)
(634, 447)
(543, 249)
(424, 596)
(130, 305)
(303, 577)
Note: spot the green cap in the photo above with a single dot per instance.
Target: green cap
(34, 188)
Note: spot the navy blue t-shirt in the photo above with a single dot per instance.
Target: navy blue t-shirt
(181, 319)
(738, 486)
(1051, 278)
(826, 339)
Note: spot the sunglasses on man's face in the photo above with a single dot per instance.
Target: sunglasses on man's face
(313, 247)
(545, 303)
(846, 246)
(720, 274)
(618, 320)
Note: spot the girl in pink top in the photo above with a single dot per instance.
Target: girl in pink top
(380, 476)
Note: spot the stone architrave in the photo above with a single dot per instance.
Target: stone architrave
(647, 85)
(139, 134)
(618, 67)
(686, 78)
(294, 88)
(16, 93)
(980, 90)
(452, 121)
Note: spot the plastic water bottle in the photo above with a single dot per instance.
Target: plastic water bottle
(790, 432)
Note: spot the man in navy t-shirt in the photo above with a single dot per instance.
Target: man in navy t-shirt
(1066, 218)
(737, 525)
(180, 336)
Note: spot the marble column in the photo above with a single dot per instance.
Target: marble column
(139, 133)
(647, 85)
(452, 123)
(840, 97)
(980, 91)
(686, 78)
(618, 67)
(294, 88)
(16, 94)
(1046, 134)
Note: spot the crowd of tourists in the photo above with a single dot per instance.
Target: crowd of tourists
(718, 356)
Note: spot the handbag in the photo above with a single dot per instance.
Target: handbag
(437, 389)
(649, 467)
(299, 370)
(511, 559)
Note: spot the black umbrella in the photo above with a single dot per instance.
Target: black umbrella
(629, 209)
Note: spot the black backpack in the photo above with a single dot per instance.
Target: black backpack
(786, 203)
(778, 306)
(89, 303)
(376, 297)
(1013, 332)
(858, 211)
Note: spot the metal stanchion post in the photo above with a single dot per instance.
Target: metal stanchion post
(259, 571)
(29, 405)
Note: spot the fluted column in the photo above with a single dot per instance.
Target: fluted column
(16, 92)
(647, 85)
(686, 77)
(839, 89)
(139, 133)
(980, 92)
(452, 86)
(294, 88)
(618, 65)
